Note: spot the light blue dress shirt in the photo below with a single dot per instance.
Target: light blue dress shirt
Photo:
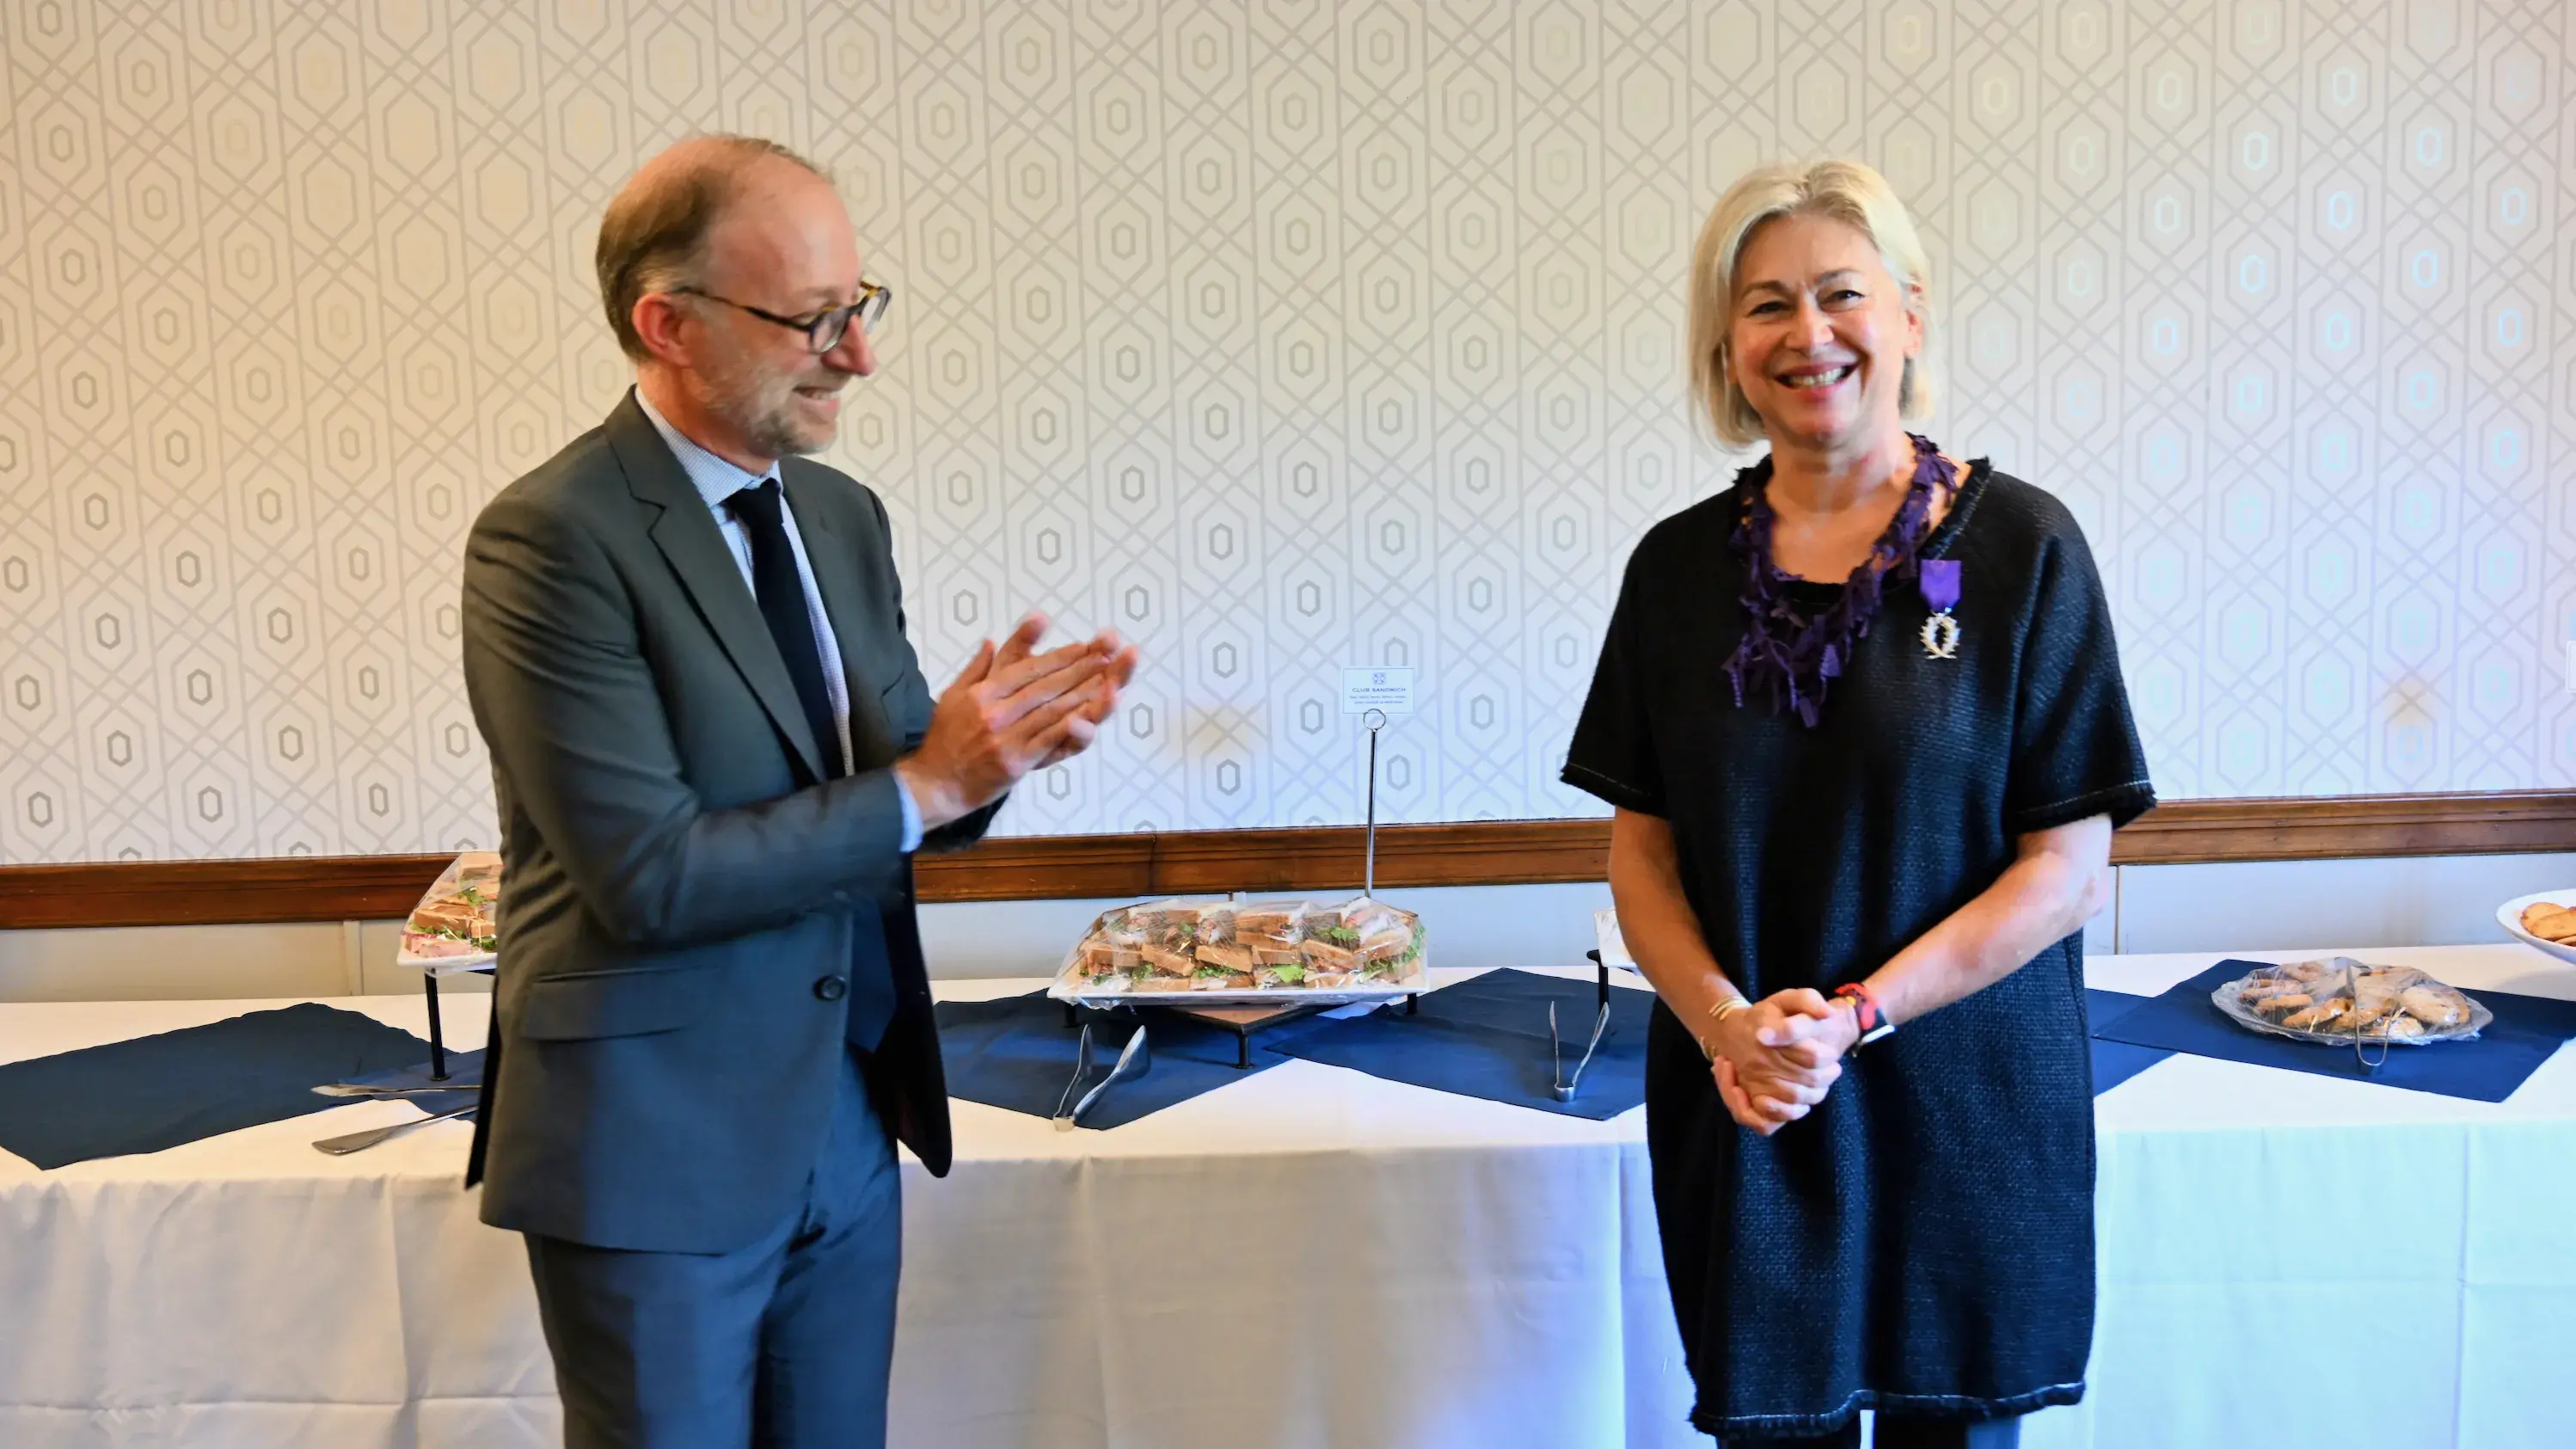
(717, 480)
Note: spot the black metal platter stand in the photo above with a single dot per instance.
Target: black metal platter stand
(437, 1034)
(1242, 1019)
(1245, 1019)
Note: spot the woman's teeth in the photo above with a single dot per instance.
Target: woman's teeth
(1818, 379)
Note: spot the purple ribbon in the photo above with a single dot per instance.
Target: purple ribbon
(1794, 655)
(1941, 584)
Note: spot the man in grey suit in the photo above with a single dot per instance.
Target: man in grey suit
(715, 756)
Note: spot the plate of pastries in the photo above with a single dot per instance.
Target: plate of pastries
(2342, 1000)
(2546, 920)
(1219, 952)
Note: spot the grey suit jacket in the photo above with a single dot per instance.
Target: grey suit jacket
(683, 895)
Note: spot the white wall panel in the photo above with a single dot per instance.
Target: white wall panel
(1282, 337)
(2292, 904)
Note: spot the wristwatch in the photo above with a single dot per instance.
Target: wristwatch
(1864, 1003)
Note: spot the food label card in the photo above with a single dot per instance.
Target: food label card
(1390, 690)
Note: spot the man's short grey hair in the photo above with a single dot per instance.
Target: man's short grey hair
(1846, 191)
(654, 235)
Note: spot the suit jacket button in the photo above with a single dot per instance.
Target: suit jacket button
(832, 988)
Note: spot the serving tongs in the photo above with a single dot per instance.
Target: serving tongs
(1134, 1060)
(1564, 1084)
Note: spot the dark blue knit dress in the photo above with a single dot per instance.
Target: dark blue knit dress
(1922, 1242)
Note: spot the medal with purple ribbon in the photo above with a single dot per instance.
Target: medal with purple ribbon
(1940, 580)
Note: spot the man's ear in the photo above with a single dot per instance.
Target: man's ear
(660, 323)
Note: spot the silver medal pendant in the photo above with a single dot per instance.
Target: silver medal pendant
(1941, 636)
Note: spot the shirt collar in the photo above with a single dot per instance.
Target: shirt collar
(715, 478)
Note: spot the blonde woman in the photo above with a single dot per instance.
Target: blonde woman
(1862, 722)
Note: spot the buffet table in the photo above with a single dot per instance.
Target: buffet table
(1312, 1256)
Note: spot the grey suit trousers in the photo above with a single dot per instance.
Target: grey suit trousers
(782, 1344)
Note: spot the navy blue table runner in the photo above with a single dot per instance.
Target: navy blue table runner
(2115, 1062)
(2527, 1031)
(1487, 1037)
(175, 1087)
(1017, 1053)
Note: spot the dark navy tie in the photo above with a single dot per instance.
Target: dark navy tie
(781, 591)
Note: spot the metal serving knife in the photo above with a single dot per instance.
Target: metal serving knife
(361, 1141)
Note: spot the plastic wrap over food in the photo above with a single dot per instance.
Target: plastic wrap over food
(2341, 1001)
(456, 925)
(1234, 952)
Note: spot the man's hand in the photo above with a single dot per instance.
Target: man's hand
(1085, 722)
(1010, 711)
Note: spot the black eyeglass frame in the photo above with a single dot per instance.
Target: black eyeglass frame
(825, 329)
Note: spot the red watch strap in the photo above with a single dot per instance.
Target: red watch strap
(1865, 1003)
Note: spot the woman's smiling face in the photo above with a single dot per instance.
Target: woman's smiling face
(1821, 333)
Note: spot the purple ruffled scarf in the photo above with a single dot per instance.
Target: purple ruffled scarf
(1796, 655)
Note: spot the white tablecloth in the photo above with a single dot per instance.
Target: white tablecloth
(1316, 1257)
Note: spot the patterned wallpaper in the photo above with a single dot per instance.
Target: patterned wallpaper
(1283, 337)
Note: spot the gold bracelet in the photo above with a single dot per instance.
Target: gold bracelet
(1719, 1011)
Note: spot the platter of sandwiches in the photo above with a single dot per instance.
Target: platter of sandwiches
(454, 928)
(1227, 951)
(2342, 1000)
(2546, 920)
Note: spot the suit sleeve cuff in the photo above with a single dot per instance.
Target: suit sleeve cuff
(911, 814)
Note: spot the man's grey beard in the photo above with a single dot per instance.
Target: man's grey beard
(761, 406)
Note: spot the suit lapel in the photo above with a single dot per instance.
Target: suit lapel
(829, 551)
(695, 548)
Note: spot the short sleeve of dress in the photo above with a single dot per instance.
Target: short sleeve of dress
(2075, 749)
(1613, 754)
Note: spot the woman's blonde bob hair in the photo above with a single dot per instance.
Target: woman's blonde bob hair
(1846, 191)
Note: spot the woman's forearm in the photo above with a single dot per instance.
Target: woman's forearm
(1655, 918)
(2060, 880)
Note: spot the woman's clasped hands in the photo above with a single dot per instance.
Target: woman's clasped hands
(1776, 1059)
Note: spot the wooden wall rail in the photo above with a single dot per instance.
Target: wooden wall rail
(1485, 852)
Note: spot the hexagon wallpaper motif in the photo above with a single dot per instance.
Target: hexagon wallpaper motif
(1283, 337)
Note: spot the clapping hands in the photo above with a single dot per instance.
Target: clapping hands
(1775, 1060)
(1013, 710)
(1116, 659)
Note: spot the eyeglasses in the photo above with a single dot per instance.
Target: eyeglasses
(823, 330)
